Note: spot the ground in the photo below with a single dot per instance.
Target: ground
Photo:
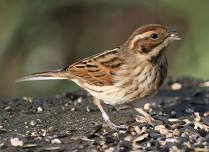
(70, 122)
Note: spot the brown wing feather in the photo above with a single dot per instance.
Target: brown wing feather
(97, 70)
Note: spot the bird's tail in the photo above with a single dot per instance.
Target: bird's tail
(59, 74)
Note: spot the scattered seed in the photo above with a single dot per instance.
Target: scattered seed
(176, 86)
(187, 121)
(173, 119)
(40, 109)
(176, 133)
(28, 99)
(51, 148)
(141, 119)
(140, 138)
(43, 132)
(206, 114)
(33, 123)
(197, 117)
(16, 142)
(56, 141)
(162, 129)
(30, 145)
(88, 109)
(137, 129)
(73, 109)
(147, 106)
(79, 100)
(204, 84)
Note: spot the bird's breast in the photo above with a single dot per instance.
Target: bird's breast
(130, 84)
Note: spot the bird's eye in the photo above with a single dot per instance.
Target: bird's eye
(154, 36)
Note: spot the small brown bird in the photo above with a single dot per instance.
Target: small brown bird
(134, 70)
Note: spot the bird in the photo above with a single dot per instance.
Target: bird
(133, 71)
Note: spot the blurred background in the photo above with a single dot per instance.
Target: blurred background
(44, 35)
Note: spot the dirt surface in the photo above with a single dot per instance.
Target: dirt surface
(70, 122)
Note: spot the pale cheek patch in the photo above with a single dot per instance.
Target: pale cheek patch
(138, 37)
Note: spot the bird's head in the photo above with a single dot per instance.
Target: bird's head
(150, 40)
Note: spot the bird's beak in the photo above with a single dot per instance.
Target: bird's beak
(174, 36)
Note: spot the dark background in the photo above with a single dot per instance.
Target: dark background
(39, 35)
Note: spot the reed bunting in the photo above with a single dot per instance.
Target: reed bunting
(132, 71)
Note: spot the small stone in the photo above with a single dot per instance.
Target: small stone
(16, 142)
(162, 129)
(176, 86)
(56, 141)
(39, 109)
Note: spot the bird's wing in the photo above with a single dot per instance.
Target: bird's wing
(97, 70)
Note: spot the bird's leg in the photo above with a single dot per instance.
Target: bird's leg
(105, 116)
(143, 113)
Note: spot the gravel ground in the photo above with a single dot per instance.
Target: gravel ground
(70, 122)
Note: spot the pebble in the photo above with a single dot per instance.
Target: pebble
(16, 142)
